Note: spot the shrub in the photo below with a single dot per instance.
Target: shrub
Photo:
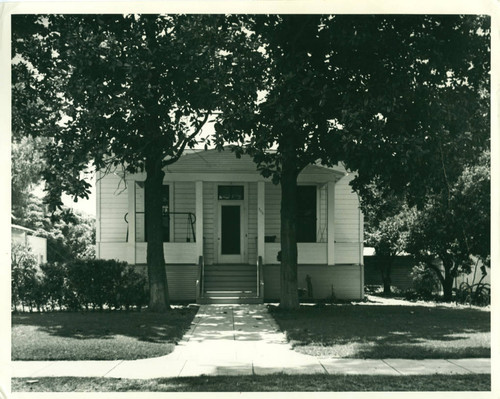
(83, 283)
(425, 281)
(25, 282)
(95, 282)
(132, 290)
(477, 294)
(53, 284)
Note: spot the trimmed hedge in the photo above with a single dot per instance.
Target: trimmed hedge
(76, 285)
(25, 281)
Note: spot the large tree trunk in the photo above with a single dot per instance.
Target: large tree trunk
(158, 288)
(385, 268)
(289, 298)
(448, 280)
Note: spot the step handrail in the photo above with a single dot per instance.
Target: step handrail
(199, 281)
(260, 277)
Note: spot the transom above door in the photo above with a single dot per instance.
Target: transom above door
(231, 226)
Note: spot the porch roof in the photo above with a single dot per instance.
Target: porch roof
(214, 165)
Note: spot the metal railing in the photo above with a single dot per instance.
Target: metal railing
(191, 220)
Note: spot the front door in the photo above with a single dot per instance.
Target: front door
(231, 223)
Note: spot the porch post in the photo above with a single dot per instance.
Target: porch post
(131, 222)
(331, 223)
(261, 213)
(199, 218)
(97, 216)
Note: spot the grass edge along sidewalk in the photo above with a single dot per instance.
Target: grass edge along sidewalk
(107, 335)
(267, 383)
(380, 331)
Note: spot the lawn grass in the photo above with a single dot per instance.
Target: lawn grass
(380, 331)
(108, 335)
(267, 383)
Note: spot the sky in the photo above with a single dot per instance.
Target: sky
(87, 206)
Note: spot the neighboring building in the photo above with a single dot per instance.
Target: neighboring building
(222, 229)
(38, 245)
(402, 268)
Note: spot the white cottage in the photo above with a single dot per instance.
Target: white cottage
(222, 229)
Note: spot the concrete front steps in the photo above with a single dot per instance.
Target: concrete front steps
(230, 284)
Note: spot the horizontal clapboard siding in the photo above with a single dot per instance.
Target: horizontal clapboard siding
(272, 210)
(140, 217)
(181, 280)
(400, 271)
(348, 224)
(113, 207)
(184, 201)
(347, 215)
(173, 252)
(308, 252)
(345, 281)
(252, 223)
(322, 232)
(348, 252)
(115, 250)
(208, 222)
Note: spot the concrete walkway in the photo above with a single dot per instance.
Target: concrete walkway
(240, 340)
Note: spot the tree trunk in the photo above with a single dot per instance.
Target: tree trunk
(289, 298)
(157, 277)
(385, 267)
(448, 280)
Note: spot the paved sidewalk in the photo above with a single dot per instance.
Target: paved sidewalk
(240, 340)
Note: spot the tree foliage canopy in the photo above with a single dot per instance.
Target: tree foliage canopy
(401, 100)
(111, 89)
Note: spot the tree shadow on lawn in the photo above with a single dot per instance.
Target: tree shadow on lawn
(144, 326)
(381, 331)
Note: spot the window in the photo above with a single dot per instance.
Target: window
(230, 193)
(306, 213)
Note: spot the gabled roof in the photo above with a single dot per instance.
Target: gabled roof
(226, 161)
(17, 227)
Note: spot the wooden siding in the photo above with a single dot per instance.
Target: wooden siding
(184, 201)
(113, 207)
(140, 217)
(308, 252)
(173, 252)
(272, 210)
(348, 224)
(348, 252)
(208, 222)
(400, 271)
(252, 223)
(322, 229)
(115, 250)
(181, 280)
(344, 280)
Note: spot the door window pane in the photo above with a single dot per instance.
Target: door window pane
(230, 193)
(230, 230)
